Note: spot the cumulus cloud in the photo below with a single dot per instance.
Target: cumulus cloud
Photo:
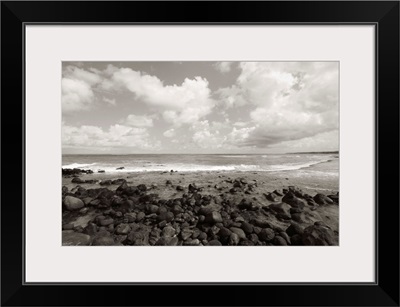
(223, 67)
(208, 136)
(286, 101)
(182, 104)
(116, 136)
(170, 133)
(139, 121)
(77, 91)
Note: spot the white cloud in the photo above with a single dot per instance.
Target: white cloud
(182, 104)
(76, 95)
(139, 121)
(286, 101)
(112, 101)
(115, 136)
(223, 67)
(170, 133)
(208, 136)
(77, 91)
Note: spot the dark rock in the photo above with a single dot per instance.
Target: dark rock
(239, 232)
(101, 171)
(322, 199)
(257, 230)
(272, 197)
(168, 231)
(192, 188)
(318, 235)
(142, 187)
(64, 189)
(213, 217)
(138, 237)
(246, 242)
(90, 181)
(105, 182)
(72, 203)
(262, 223)
(277, 192)
(278, 240)
(296, 239)
(299, 218)
(266, 234)
(123, 229)
(77, 180)
(180, 188)
(167, 241)
(103, 240)
(193, 242)
(285, 236)
(282, 210)
(247, 228)
(202, 236)
(233, 239)
(335, 198)
(294, 229)
(106, 221)
(254, 238)
(68, 226)
(186, 233)
(293, 201)
(162, 224)
(224, 232)
(90, 229)
(118, 168)
(78, 229)
(168, 182)
(71, 238)
(214, 243)
(118, 181)
(140, 216)
(130, 217)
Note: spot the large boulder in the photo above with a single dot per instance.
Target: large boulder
(71, 238)
(73, 203)
(282, 210)
(213, 217)
(103, 239)
(77, 180)
(322, 199)
(319, 234)
(294, 201)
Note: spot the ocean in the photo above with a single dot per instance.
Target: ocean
(204, 162)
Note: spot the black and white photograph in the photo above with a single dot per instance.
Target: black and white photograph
(200, 153)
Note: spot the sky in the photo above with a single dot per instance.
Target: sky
(199, 107)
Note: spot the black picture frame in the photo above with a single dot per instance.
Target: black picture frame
(383, 14)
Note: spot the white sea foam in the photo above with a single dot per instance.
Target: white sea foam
(79, 165)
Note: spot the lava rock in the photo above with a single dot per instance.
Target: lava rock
(266, 234)
(322, 199)
(213, 217)
(123, 229)
(71, 238)
(318, 235)
(73, 203)
(282, 210)
(293, 201)
(239, 232)
(278, 240)
(247, 228)
(294, 229)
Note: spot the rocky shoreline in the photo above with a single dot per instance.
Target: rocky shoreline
(230, 211)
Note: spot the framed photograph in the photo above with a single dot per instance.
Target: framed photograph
(245, 153)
